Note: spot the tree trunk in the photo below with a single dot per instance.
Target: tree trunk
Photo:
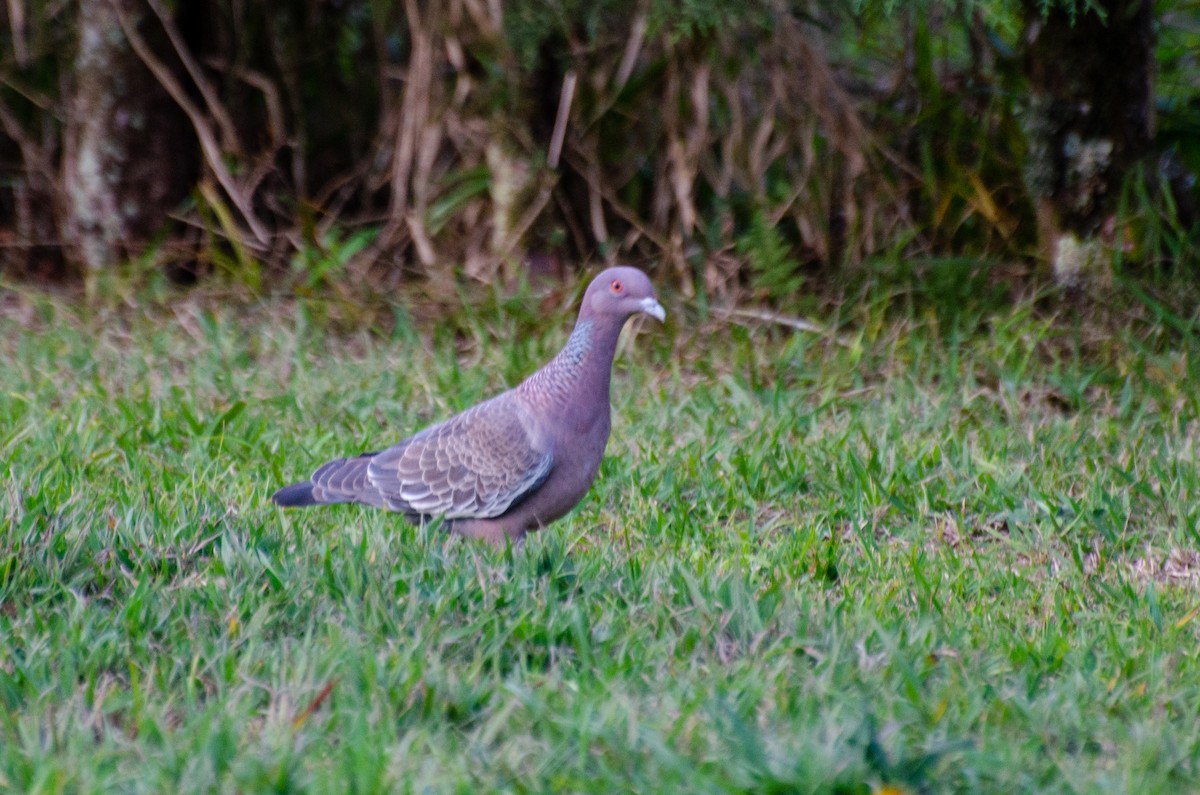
(1090, 117)
(125, 158)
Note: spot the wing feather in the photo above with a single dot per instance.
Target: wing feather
(346, 480)
(475, 465)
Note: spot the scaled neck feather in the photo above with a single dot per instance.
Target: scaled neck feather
(579, 377)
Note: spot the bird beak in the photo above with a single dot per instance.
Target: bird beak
(649, 306)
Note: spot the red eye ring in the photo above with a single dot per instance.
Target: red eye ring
(617, 287)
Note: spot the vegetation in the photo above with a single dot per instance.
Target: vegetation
(948, 545)
(461, 140)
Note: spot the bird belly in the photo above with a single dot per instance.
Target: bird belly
(575, 469)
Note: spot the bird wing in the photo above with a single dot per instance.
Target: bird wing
(345, 480)
(475, 465)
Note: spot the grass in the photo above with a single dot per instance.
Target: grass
(955, 551)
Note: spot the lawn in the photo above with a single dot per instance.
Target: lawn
(949, 545)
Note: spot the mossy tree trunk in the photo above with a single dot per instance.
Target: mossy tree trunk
(127, 152)
(1090, 116)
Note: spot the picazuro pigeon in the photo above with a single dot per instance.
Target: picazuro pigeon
(513, 463)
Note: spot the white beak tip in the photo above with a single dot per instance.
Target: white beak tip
(654, 309)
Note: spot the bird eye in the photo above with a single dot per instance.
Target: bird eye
(617, 287)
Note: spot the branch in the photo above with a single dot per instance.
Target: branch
(560, 121)
(208, 142)
(228, 130)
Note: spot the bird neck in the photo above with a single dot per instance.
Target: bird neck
(582, 369)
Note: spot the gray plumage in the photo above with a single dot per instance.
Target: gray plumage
(513, 463)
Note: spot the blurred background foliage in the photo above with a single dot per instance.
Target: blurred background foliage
(745, 149)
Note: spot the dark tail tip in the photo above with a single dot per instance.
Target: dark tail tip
(297, 495)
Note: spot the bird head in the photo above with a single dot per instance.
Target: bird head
(622, 292)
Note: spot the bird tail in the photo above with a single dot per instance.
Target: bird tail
(297, 495)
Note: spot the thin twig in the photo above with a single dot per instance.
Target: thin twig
(16, 18)
(33, 154)
(633, 47)
(596, 204)
(528, 217)
(276, 126)
(797, 323)
(564, 114)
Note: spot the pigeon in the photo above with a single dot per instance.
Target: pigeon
(515, 462)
